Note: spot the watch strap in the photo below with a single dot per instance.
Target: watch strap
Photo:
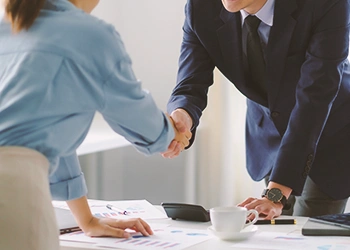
(264, 192)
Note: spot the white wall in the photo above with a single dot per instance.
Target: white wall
(152, 33)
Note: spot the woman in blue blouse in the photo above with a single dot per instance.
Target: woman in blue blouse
(58, 66)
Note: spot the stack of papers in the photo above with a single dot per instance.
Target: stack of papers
(133, 209)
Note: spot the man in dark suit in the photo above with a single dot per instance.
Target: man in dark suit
(297, 89)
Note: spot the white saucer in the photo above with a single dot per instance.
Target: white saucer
(235, 236)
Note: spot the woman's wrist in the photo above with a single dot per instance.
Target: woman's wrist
(81, 211)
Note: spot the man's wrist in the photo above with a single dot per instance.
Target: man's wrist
(276, 196)
(285, 189)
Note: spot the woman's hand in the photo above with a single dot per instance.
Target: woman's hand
(109, 227)
(95, 227)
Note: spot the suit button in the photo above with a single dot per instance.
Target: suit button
(310, 156)
(275, 114)
(307, 169)
(308, 163)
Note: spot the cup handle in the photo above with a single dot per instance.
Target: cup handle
(256, 216)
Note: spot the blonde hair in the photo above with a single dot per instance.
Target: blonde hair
(22, 13)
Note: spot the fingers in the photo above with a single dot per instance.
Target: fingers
(264, 207)
(182, 123)
(142, 227)
(183, 140)
(187, 134)
(136, 224)
(110, 231)
(246, 202)
(99, 227)
(174, 150)
(115, 228)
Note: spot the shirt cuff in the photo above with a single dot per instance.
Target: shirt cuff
(69, 189)
(162, 143)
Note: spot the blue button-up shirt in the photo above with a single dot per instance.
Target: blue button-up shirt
(54, 77)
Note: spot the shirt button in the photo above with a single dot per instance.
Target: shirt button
(275, 114)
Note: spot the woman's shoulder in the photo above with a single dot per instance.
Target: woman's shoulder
(85, 32)
(83, 38)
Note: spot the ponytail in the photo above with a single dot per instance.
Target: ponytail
(22, 13)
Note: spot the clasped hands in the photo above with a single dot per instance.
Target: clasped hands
(182, 123)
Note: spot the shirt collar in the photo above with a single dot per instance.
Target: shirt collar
(265, 14)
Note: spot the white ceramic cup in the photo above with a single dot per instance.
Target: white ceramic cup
(231, 219)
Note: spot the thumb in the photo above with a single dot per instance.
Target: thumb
(181, 116)
(177, 124)
(180, 126)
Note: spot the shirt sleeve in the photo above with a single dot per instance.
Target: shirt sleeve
(131, 111)
(68, 182)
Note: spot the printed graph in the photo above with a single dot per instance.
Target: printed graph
(164, 238)
(149, 243)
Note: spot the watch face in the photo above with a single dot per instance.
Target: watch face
(274, 194)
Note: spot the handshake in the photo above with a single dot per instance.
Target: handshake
(182, 124)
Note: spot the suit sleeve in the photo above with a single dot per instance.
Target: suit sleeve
(318, 86)
(195, 73)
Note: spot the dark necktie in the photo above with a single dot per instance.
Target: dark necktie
(255, 56)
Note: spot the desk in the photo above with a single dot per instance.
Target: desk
(212, 244)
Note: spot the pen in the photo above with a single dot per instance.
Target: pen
(276, 222)
(121, 211)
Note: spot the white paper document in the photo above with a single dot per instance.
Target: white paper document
(133, 209)
(164, 238)
(285, 241)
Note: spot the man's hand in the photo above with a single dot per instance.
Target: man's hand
(182, 123)
(264, 206)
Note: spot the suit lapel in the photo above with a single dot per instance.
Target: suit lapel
(230, 39)
(278, 44)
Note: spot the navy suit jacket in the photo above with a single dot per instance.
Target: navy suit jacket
(302, 128)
